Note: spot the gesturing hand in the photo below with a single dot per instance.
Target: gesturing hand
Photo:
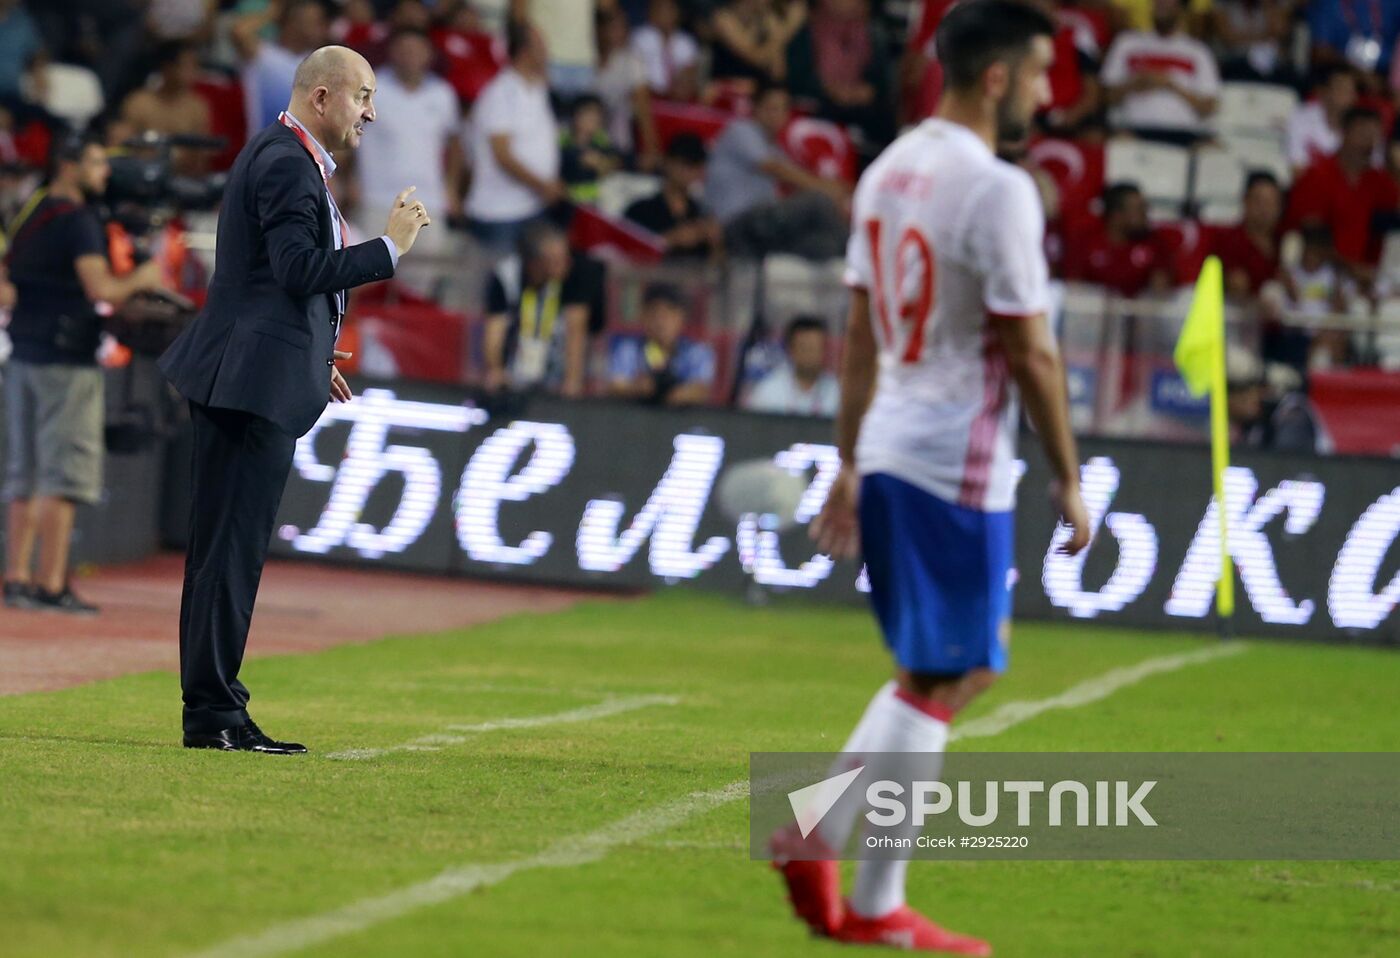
(1069, 506)
(340, 389)
(835, 529)
(405, 220)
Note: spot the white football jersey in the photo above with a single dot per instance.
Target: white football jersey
(944, 234)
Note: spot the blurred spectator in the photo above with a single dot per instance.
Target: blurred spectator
(802, 386)
(358, 28)
(471, 56)
(514, 145)
(1252, 35)
(673, 214)
(1258, 420)
(66, 92)
(837, 60)
(669, 55)
(190, 20)
(1315, 128)
(622, 86)
(1360, 32)
(1344, 192)
(586, 153)
(1076, 95)
(536, 322)
(569, 28)
(270, 65)
(742, 188)
(661, 366)
(172, 106)
(918, 76)
(1161, 82)
(19, 39)
(1138, 14)
(53, 386)
(107, 36)
(1313, 288)
(751, 39)
(1249, 253)
(1124, 256)
(413, 106)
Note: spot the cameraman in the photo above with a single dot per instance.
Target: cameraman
(57, 261)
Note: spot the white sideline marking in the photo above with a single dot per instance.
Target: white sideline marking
(1088, 691)
(303, 933)
(440, 740)
(368, 912)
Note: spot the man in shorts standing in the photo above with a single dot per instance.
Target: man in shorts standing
(57, 261)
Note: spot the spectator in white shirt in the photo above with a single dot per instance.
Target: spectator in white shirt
(568, 28)
(268, 67)
(802, 386)
(670, 55)
(1162, 84)
(514, 145)
(413, 105)
(1315, 128)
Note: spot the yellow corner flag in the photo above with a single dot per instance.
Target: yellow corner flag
(1200, 355)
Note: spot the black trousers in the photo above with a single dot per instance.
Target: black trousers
(241, 462)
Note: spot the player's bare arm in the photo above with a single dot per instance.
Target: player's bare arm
(835, 529)
(1033, 359)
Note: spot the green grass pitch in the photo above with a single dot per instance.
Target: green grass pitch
(115, 841)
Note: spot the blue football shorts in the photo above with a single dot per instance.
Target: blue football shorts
(939, 577)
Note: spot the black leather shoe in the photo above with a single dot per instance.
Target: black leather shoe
(243, 738)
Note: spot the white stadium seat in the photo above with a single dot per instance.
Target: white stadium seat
(1220, 212)
(1160, 171)
(1261, 154)
(1388, 337)
(73, 93)
(1219, 177)
(793, 286)
(1254, 109)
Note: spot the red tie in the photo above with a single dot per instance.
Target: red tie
(310, 148)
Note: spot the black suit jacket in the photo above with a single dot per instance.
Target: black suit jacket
(265, 336)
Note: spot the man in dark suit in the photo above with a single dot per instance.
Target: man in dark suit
(258, 364)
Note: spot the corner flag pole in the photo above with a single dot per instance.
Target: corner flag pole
(1200, 356)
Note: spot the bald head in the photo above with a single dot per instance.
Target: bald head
(332, 96)
(330, 67)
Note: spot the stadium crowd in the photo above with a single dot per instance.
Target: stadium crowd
(694, 137)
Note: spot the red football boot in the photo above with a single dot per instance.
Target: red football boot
(813, 880)
(906, 928)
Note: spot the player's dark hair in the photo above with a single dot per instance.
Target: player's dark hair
(409, 32)
(1317, 234)
(686, 148)
(766, 88)
(1116, 196)
(1327, 72)
(292, 6)
(584, 101)
(534, 238)
(1359, 114)
(69, 148)
(975, 34)
(667, 293)
(1258, 177)
(803, 324)
(168, 52)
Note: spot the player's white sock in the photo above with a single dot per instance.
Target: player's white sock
(835, 827)
(911, 739)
